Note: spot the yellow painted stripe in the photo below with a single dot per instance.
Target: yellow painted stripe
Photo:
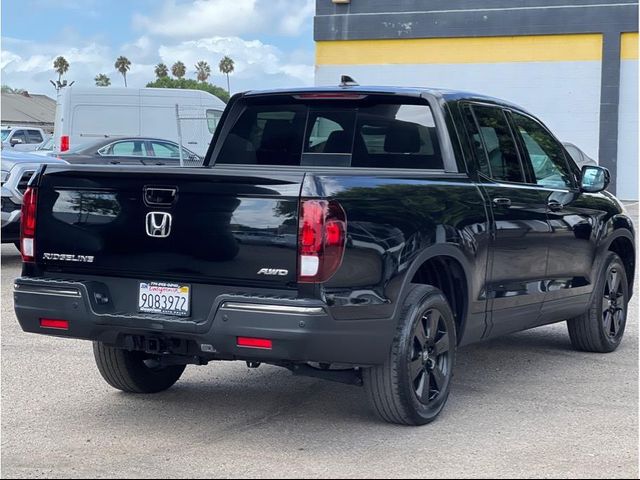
(541, 48)
(629, 46)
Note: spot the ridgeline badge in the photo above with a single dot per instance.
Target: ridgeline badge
(67, 257)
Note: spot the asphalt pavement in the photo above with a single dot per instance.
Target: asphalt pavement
(525, 405)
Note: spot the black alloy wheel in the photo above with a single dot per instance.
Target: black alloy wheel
(430, 363)
(613, 303)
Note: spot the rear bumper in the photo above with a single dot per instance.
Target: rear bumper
(300, 330)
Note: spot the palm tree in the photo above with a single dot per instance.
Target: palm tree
(61, 66)
(178, 69)
(204, 71)
(226, 67)
(123, 64)
(161, 70)
(102, 80)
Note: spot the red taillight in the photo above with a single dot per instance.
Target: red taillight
(54, 323)
(64, 143)
(321, 242)
(255, 343)
(28, 224)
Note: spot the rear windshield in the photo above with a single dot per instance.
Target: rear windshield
(369, 135)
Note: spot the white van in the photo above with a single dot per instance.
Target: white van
(87, 114)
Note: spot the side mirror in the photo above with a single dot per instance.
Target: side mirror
(15, 141)
(594, 179)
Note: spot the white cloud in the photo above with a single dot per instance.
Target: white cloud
(257, 65)
(186, 30)
(205, 18)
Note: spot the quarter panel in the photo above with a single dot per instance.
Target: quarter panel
(393, 222)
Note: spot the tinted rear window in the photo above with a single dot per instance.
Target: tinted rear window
(370, 135)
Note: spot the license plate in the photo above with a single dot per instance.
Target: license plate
(164, 298)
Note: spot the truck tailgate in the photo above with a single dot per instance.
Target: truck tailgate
(170, 224)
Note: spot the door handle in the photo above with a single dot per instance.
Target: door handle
(554, 205)
(502, 202)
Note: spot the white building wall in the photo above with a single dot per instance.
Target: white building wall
(627, 183)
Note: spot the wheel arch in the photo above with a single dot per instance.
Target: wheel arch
(446, 268)
(622, 243)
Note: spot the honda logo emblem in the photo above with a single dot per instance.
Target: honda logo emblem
(158, 224)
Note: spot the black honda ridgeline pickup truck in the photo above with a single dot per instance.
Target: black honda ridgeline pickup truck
(356, 234)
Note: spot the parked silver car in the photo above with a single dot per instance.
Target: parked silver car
(581, 158)
(16, 170)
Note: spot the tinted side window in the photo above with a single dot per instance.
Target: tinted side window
(498, 144)
(476, 140)
(126, 149)
(546, 155)
(165, 150)
(19, 134)
(35, 136)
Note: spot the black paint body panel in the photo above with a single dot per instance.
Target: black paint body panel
(524, 264)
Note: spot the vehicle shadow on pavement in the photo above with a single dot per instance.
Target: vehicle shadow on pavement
(11, 260)
(246, 398)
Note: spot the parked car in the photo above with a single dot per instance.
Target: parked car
(421, 224)
(45, 148)
(22, 139)
(132, 151)
(17, 169)
(87, 114)
(578, 156)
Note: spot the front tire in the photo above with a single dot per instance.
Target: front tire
(131, 372)
(600, 329)
(412, 386)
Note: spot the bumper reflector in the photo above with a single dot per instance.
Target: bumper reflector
(55, 324)
(255, 343)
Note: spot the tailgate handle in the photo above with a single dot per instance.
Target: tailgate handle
(160, 196)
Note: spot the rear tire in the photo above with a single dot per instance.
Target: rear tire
(600, 329)
(127, 371)
(412, 386)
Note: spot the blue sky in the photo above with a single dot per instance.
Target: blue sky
(271, 41)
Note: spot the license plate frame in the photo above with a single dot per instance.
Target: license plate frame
(167, 298)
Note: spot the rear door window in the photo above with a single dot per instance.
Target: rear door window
(35, 136)
(127, 148)
(164, 149)
(497, 144)
(368, 135)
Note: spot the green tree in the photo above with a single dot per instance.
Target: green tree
(102, 80)
(178, 70)
(8, 89)
(203, 71)
(168, 82)
(61, 66)
(123, 64)
(227, 66)
(161, 70)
